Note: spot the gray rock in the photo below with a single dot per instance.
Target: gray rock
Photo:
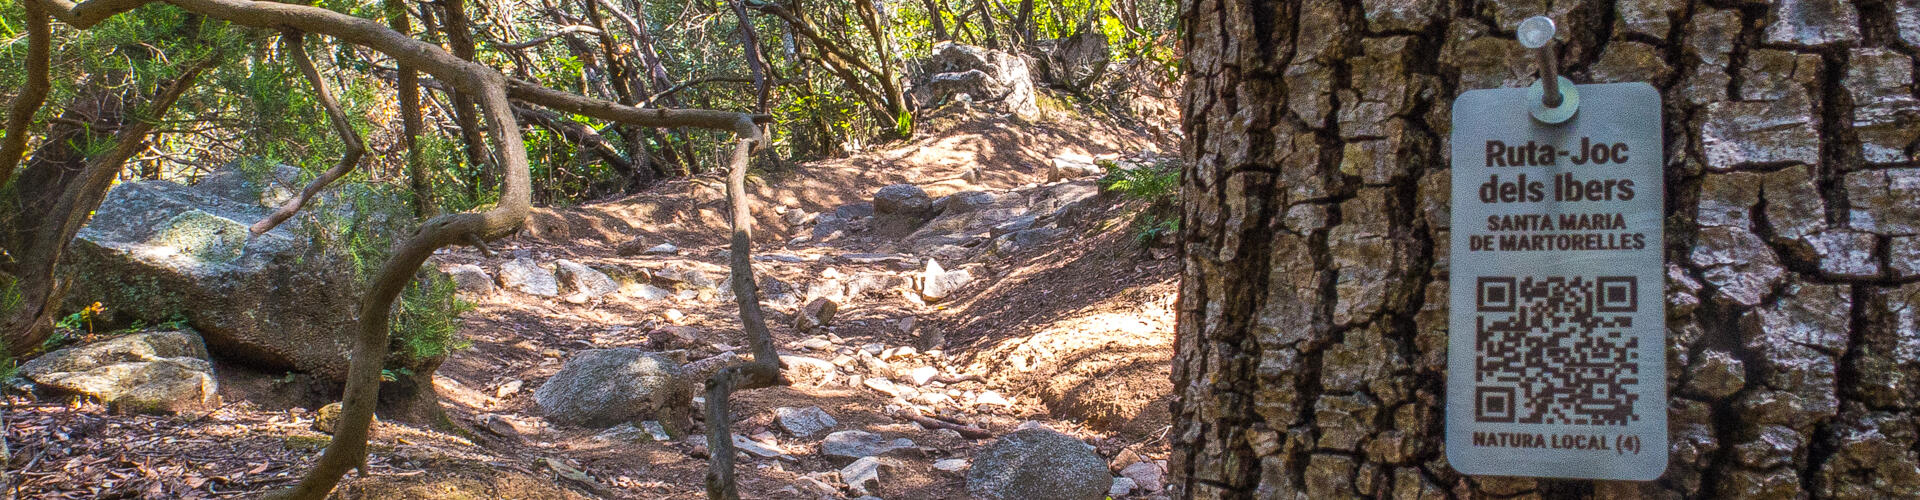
(522, 274)
(646, 291)
(470, 278)
(682, 273)
(804, 422)
(630, 248)
(966, 201)
(661, 249)
(1064, 202)
(905, 200)
(817, 314)
(1024, 240)
(1072, 165)
(874, 283)
(863, 475)
(754, 447)
(951, 464)
(854, 210)
(844, 446)
(1121, 487)
(152, 372)
(937, 283)
(280, 301)
(604, 387)
(1146, 475)
(958, 72)
(582, 279)
(1020, 223)
(806, 370)
(1038, 463)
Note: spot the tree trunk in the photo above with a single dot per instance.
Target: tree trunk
(1311, 358)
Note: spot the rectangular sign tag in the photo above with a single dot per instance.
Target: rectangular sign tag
(1556, 359)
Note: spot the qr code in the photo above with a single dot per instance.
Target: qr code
(1556, 350)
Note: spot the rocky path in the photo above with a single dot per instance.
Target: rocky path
(878, 406)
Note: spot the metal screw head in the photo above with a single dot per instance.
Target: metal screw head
(1535, 32)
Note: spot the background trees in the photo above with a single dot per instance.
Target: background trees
(475, 110)
(1311, 356)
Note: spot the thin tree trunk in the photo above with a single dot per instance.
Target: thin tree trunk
(1312, 324)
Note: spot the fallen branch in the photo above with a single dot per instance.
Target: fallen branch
(965, 431)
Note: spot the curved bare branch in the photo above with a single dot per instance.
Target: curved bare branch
(32, 96)
(764, 370)
(296, 48)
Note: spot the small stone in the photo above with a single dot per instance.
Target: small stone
(662, 249)
(937, 283)
(992, 398)
(804, 422)
(806, 370)
(646, 291)
(630, 248)
(921, 375)
(903, 200)
(898, 352)
(863, 475)
(508, 389)
(625, 433)
(470, 278)
(523, 275)
(585, 280)
(817, 314)
(1146, 475)
(816, 344)
(1121, 487)
(950, 464)
(673, 315)
(883, 385)
(326, 418)
(656, 431)
(755, 447)
(853, 444)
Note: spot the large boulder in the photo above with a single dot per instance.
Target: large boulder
(981, 75)
(607, 387)
(1038, 463)
(158, 250)
(903, 200)
(149, 372)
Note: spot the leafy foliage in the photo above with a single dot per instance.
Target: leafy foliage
(428, 324)
(1156, 184)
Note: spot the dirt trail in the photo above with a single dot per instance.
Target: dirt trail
(1075, 336)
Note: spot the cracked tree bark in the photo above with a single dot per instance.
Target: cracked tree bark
(1312, 323)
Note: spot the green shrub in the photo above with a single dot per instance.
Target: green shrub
(427, 325)
(1156, 183)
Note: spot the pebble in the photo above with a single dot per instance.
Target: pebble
(951, 464)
